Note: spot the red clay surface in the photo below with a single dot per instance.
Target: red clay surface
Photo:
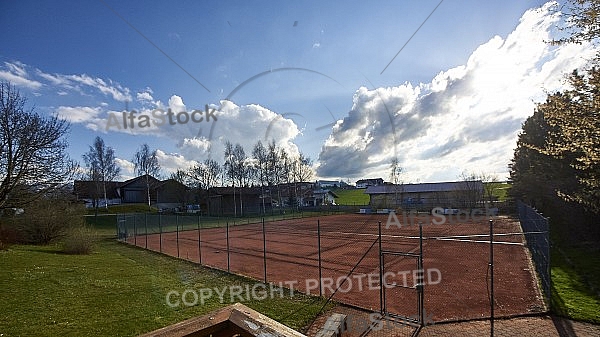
(456, 268)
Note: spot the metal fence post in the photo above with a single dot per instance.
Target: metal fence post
(227, 239)
(177, 233)
(381, 299)
(491, 278)
(134, 232)
(319, 254)
(548, 270)
(146, 229)
(264, 248)
(422, 283)
(159, 234)
(199, 241)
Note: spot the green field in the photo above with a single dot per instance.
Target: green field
(355, 196)
(116, 291)
(500, 190)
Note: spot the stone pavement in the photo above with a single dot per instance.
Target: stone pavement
(547, 326)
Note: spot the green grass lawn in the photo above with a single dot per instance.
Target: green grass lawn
(116, 291)
(354, 196)
(500, 190)
(576, 283)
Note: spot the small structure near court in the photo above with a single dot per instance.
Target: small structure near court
(234, 320)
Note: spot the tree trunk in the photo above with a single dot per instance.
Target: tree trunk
(148, 190)
(105, 199)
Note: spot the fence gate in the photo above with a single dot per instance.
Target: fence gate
(122, 231)
(402, 279)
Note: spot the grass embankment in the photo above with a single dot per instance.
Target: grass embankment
(355, 196)
(499, 190)
(576, 282)
(116, 291)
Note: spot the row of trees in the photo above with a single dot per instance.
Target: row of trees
(556, 165)
(101, 167)
(267, 166)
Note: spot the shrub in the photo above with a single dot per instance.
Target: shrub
(8, 236)
(78, 240)
(46, 220)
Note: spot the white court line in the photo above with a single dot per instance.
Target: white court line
(442, 238)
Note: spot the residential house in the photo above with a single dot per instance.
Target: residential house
(364, 183)
(329, 183)
(320, 197)
(92, 193)
(166, 194)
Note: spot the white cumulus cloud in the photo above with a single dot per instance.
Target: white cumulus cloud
(16, 74)
(78, 114)
(466, 118)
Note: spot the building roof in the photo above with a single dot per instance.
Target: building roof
(325, 192)
(151, 179)
(89, 189)
(370, 180)
(86, 189)
(426, 187)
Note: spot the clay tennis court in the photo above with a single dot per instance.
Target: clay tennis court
(455, 261)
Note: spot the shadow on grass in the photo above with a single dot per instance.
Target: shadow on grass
(572, 297)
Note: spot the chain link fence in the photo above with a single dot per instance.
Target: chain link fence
(537, 234)
(429, 271)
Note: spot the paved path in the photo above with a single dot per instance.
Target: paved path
(546, 326)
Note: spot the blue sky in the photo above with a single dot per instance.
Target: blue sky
(452, 100)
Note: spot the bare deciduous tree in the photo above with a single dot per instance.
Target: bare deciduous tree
(101, 167)
(33, 158)
(259, 154)
(395, 173)
(146, 163)
(302, 171)
(204, 176)
(237, 170)
(472, 193)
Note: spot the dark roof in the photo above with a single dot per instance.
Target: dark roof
(132, 180)
(85, 189)
(425, 187)
(171, 181)
(371, 180)
(325, 192)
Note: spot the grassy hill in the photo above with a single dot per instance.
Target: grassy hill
(500, 190)
(351, 196)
